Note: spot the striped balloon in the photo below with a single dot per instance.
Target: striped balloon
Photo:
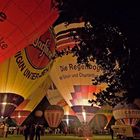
(53, 115)
(99, 122)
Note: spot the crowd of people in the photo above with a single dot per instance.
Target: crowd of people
(34, 131)
(30, 132)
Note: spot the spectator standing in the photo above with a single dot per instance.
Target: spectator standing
(112, 133)
(26, 132)
(32, 132)
(5, 130)
(37, 132)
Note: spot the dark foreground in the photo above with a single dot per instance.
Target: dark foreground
(49, 137)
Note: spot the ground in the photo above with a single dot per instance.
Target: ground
(60, 138)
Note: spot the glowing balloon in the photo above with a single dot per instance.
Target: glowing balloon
(128, 114)
(84, 113)
(54, 97)
(20, 78)
(53, 115)
(21, 22)
(8, 103)
(19, 116)
(107, 111)
(99, 122)
(28, 105)
(74, 81)
(70, 120)
(79, 101)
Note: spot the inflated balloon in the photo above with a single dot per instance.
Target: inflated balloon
(19, 116)
(107, 111)
(70, 120)
(25, 71)
(84, 113)
(99, 122)
(53, 115)
(8, 102)
(29, 104)
(21, 22)
(73, 80)
(34, 99)
(128, 114)
(79, 101)
(55, 98)
(38, 113)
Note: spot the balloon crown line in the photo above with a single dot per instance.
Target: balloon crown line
(107, 46)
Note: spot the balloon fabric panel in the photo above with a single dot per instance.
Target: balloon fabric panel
(21, 22)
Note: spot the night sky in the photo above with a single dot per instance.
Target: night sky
(121, 13)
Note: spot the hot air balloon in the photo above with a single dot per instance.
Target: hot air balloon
(24, 72)
(38, 113)
(107, 111)
(102, 118)
(73, 80)
(54, 97)
(99, 122)
(19, 116)
(128, 114)
(21, 22)
(28, 105)
(80, 97)
(53, 115)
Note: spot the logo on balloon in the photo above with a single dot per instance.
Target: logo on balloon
(40, 52)
(34, 62)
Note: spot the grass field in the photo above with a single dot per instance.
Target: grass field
(59, 138)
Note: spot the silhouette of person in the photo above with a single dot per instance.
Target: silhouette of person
(37, 132)
(26, 132)
(112, 133)
(32, 132)
(5, 130)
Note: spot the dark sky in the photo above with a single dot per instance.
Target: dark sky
(122, 13)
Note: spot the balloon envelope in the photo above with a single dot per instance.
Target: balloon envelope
(128, 114)
(107, 111)
(53, 115)
(8, 103)
(99, 122)
(21, 22)
(54, 97)
(23, 73)
(84, 113)
(38, 113)
(20, 115)
(73, 80)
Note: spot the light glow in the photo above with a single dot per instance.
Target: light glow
(84, 114)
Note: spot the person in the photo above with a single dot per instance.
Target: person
(112, 133)
(26, 132)
(65, 130)
(5, 130)
(37, 132)
(17, 130)
(32, 132)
